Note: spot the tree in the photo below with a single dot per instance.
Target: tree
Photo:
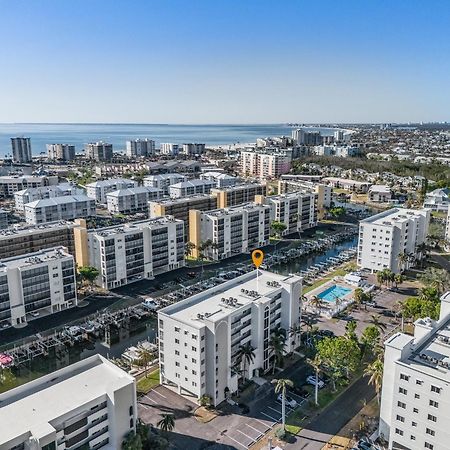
(88, 274)
(167, 423)
(280, 387)
(398, 279)
(350, 329)
(294, 332)
(205, 400)
(308, 321)
(246, 355)
(358, 296)
(277, 344)
(370, 338)
(437, 278)
(145, 357)
(316, 363)
(375, 372)
(132, 442)
(188, 249)
(402, 261)
(375, 320)
(317, 303)
(278, 228)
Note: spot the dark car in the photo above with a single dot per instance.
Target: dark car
(299, 391)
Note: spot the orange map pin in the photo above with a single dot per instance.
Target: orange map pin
(257, 257)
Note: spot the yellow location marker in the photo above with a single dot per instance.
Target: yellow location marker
(257, 257)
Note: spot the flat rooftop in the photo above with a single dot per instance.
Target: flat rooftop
(31, 229)
(181, 200)
(210, 305)
(239, 187)
(235, 209)
(59, 201)
(133, 191)
(391, 216)
(41, 401)
(31, 259)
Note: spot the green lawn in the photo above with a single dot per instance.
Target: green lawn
(144, 384)
(341, 271)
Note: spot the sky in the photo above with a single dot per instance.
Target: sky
(224, 61)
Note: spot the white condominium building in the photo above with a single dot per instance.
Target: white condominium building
(61, 152)
(164, 180)
(133, 251)
(88, 405)
(236, 195)
(297, 210)
(98, 189)
(191, 187)
(222, 180)
(21, 149)
(342, 151)
(415, 399)
(265, 162)
(36, 284)
(132, 200)
(140, 148)
(68, 207)
(233, 230)
(307, 137)
(99, 151)
(200, 337)
(169, 149)
(192, 149)
(21, 198)
(11, 184)
(447, 230)
(385, 236)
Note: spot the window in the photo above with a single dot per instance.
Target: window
(402, 391)
(194, 372)
(398, 431)
(430, 432)
(413, 438)
(186, 332)
(414, 424)
(435, 389)
(177, 341)
(428, 445)
(194, 360)
(434, 404)
(416, 396)
(415, 410)
(404, 377)
(177, 363)
(419, 382)
(400, 418)
(194, 349)
(401, 405)
(432, 418)
(177, 353)
(177, 329)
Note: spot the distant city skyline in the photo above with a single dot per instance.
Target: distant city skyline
(257, 62)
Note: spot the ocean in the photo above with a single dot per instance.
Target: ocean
(118, 134)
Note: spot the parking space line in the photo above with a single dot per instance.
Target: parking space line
(246, 435)
(270, 417)
(149, 398)
(157, 393)
(259, 432)
(273, 409)
(144, 406)
(237, 442)
(262, 423)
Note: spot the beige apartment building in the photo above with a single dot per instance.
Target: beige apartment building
(237, 195)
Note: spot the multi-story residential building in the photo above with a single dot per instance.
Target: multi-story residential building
(3, 219)
(133, 251)
(87, 405)
(222, 180)
(385, 236)
(61, 152)
(36, 284)
(265, 163)
(169, 149)
(303, 137)
(132, 200)
(191, 187)
(99, 151)
(438, 200)
(140, 148)
(291, 183)
(20, 240)
(345, 183)
(447, 231)
(342, 151)
(164, 180)
(180, 207)
(68, 207)
(379, 193)
(11, 184)
(21, 149)
(21, 198)
(415, 399)
(193, 149)
(297, 210)
(98, 189)
(232, 231)
(199, 337)
(236, 195)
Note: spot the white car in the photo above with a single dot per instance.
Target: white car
(312, 380)
(289, 401)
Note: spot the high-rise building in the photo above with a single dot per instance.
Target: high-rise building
(140, 148)
(21, 150)
(88, 405)
(302, 137)
(192, 149)
(385, 236)
(234, 230)
(415, 398)
(236, 195)
(169, 149)
(99, 151)
(265, 163)
(200, 337)
(61, 152)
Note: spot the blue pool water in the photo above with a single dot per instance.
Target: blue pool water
(330, 294)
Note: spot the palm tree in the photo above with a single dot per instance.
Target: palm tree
(358, 296)
(294, 332)
(167, 423)
(375, 320)
(145, 356)
(277, 343)
(350, 329)
(402, 260)
(246, 354)
(398, 279)
(188, 249)
(317, 303)
(375, 372)
(308, 321)
(316, 363)
(381, 277)
(280, 386)
(437, 278)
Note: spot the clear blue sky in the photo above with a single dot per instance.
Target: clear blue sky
(224, 61)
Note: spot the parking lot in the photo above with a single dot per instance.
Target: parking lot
(232, 429)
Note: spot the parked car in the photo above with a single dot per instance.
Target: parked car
(311, 379)
(289, 401)
(326, 333)
(371, 303)
(299, 391)
(364, 445)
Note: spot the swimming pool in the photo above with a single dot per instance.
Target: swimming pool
(330, 294)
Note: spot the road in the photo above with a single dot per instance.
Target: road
(443, 262)
(320, 430)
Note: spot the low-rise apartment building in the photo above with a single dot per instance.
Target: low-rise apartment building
(415, 398)
(11, 184)
(385, 236)
(164, 180)
(438, 200)
(68, 207)
(191, 187)
(133, 251)
(90, 404)
(222, 180)
(236, 195)
(232, 231)
(36, 284)
(98, 189)
(132, 200)
(200, 337)
(379, 193)
(346, 183)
